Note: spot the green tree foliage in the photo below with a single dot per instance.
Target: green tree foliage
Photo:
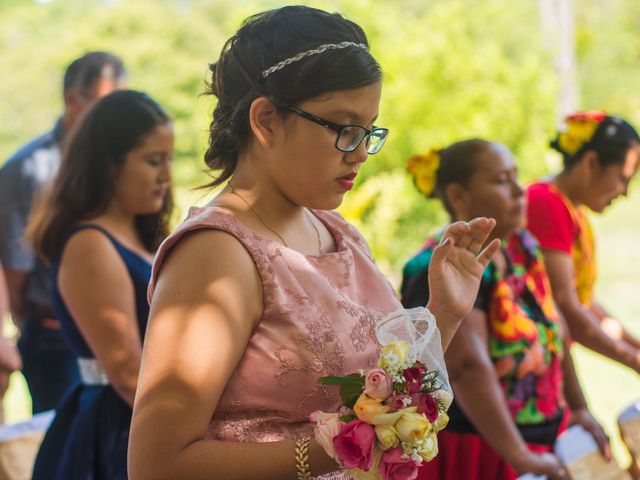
(453, 69)
(608, 47)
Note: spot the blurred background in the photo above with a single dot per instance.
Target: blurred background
(499, 69)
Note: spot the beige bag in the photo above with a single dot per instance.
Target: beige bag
(19, 444)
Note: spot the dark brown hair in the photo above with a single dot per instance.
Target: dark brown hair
(264, 40)
(458, 162)
(83, 73)
(85, 183)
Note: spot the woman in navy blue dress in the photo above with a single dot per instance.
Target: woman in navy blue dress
(100, 225)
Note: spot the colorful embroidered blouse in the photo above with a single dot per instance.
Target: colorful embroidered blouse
(559, 225)
(524, 341)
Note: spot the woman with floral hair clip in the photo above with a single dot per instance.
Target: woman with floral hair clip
(511, 376)
(600, 155)
(265, 290)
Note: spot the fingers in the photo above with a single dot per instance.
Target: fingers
(456, 232)
(487, 254)
(591, 425)
(472, 235)
(555, 469)
(563, 474)
(480, 230)
(602, 440)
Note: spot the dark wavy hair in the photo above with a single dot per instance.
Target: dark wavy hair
(264, 40)
(611, 141)
(85, 183)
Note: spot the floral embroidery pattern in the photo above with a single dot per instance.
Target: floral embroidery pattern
(314, 323)
(524, 340)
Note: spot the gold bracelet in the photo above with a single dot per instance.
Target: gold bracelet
(302, 458)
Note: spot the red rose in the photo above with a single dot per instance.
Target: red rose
(354, 445)
(426, 404)
(398, 402)
(413, 377)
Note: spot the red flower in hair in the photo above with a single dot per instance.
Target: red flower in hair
(593, 115)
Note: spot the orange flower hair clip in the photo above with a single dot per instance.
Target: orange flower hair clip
(424, 170)
(579, 129)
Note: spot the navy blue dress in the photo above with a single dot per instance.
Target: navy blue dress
(88, 437)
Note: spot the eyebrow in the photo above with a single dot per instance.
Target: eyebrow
(506, 170)
(351, 115)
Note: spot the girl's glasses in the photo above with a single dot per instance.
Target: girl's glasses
(349, 136)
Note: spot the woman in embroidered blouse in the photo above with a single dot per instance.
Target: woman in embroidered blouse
(266, 289)
(600, 155)
(506, 362)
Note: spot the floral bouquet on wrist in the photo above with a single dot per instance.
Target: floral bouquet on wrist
(391, 415)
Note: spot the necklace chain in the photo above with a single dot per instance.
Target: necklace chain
(284, 242)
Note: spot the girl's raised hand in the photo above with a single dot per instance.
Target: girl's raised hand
(456, 270)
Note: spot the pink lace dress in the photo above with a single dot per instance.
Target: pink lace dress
(319, 317)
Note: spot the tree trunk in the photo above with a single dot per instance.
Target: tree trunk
(557, 21)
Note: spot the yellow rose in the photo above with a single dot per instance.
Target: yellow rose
(392, 418)
(430, 449)
(424, 170)
(387, 436)
(366, 408)
(412, 426)
(394, 354)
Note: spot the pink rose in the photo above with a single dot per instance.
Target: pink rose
(354, 445)
(398, 402)
(393, 467)
(426, 404)
(327, 427)
(378, 384)
(413, 376)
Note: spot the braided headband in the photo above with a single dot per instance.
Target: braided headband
(299, 56)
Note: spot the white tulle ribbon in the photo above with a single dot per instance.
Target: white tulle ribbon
(417, 326)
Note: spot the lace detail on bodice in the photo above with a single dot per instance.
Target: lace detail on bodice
(319, 319)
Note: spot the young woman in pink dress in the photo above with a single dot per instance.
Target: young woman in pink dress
(266, 289)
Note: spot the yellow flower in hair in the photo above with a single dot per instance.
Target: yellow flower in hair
(424, 170)
(580, 128)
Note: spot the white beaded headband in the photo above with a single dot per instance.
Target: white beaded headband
(299, 56)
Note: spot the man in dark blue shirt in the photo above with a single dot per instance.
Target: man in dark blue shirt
(48, 365)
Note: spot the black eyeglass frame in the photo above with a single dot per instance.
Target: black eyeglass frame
(338, 128)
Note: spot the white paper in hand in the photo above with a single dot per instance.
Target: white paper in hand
(579, 453)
